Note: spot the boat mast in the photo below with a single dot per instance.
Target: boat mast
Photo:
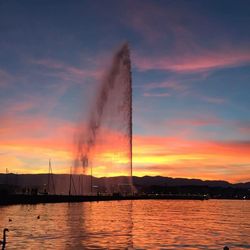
(50, 175)
(130, 120)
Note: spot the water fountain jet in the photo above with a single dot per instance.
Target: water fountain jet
(104, 147)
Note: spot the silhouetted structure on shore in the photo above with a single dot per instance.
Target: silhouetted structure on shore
(34, 184)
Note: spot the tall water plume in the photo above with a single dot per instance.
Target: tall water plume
(104, 146)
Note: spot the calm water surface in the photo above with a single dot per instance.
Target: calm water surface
(145, 224)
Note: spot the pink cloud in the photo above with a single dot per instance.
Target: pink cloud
(213, 100)
(199, 121)
(36, 131)
(198, 61)
(243, 127)
(170, 84)
(140, 23)
(153, 22)
(156, 94)
(179, 86)
(36, 102)
(68, 72)
(5, 78)
(172, 44)
(166, 88)
(13, 107)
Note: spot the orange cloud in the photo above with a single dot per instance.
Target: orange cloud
(28, 142)
(186, 158)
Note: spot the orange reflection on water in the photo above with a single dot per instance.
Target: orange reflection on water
(148, 224)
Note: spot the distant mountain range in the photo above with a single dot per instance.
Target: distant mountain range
(39, 183)
(169, 181)
(62, 181)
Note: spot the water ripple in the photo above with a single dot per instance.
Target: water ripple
(145, 224)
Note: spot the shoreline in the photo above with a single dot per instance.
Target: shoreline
(16, 199)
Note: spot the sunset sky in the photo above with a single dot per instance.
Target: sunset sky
(191, 82)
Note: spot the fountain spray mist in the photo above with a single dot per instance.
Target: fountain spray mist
(104, 147)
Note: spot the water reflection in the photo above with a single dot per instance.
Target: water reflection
(129, 224)
(75, 223)
(108, 225)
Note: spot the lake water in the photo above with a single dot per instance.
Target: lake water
(149, 224)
